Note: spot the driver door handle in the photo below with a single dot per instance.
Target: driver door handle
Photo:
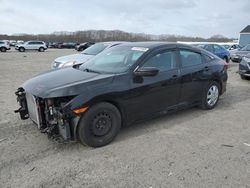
(175, 76)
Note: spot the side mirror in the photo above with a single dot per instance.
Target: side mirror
(146, 71)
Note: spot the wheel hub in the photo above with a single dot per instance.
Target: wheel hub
(101, 124)
(212, 95)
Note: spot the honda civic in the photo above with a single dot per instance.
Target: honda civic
(120, 86)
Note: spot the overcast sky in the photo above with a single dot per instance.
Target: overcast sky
(202, 18)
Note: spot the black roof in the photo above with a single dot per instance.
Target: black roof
(246, 29)
(151, 44)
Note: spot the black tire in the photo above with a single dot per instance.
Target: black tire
(207, 102)
(3, 49)
(243, 77)
(99, 125)
(226, 59)
(80, 49)
(41, 49)
(21, 49)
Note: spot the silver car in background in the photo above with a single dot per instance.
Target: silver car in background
(77, 59)
(31, 45)
(4, 45)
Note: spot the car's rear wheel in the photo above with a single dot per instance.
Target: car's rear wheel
(3, 49)
(99, 125)
(41, 49)
(211, 96)
(21, 49)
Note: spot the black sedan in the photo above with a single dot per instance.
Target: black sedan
(244, 67)
(83, 46)
(69, 45)
(120, 86)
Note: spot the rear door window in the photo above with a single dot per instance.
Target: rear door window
(190, 58)
(218, 48)
(31, 43)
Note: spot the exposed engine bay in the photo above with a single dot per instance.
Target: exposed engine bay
(48, 114)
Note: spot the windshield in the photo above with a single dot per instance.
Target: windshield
(246, 48)
(114, 60)
(226, 46)
(95, 49)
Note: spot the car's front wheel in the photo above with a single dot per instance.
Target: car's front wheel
(3, 49)
(244, 77)
(211, 96)
(99, 125)
(41, 49)
(21, 49)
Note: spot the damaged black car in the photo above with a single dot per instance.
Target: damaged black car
(120, 86)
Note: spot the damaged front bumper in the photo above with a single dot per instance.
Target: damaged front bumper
(48, 115)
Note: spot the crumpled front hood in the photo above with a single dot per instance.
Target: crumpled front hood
(64, 82)
(79, 58)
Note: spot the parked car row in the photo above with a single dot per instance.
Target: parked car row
(217, 50)
(120, 84)
(239, 54)
(70, 45)
(41, 45)
(83, 46)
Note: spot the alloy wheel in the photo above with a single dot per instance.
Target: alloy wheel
(212, 95)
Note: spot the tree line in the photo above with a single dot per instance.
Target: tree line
(109, 35)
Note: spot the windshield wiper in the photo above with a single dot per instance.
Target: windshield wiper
(90, 70)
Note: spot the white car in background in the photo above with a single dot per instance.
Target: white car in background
(78, 59)
(31, 45)
(4, 45)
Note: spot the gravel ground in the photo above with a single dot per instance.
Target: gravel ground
(191, 148)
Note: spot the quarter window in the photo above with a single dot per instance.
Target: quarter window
(163, 61)
(189, 58)
(207, 58)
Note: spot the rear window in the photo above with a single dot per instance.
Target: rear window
(218, 48)
(95, 49)
(1, 42)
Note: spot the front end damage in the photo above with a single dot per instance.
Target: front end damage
(50, 115)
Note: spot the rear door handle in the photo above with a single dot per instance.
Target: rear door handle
(206, 69)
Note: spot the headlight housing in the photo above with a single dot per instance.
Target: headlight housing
(67, 64)
(245, 61)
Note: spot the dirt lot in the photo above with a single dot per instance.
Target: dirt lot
(191, 148)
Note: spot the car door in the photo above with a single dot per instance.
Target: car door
(29, 45)
(193, 75)
(37, 45)
(157, 93)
